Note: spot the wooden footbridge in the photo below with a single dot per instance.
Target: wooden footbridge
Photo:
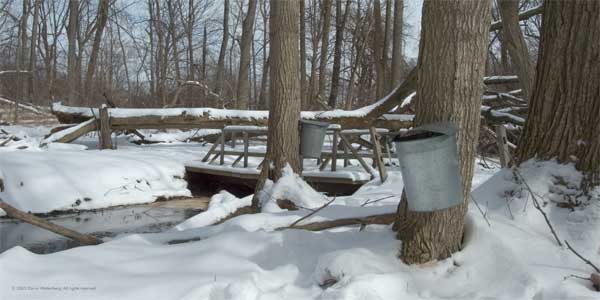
(231, 163)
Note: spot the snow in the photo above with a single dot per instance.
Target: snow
(60, 134)
(250, 257)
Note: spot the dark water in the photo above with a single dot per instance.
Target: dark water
(103, 223)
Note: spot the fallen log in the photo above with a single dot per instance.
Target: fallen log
(72, 133)
(382, 219)
(84, 239)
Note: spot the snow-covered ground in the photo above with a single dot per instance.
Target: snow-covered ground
(514, 257)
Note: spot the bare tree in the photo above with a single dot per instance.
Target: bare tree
(283, 140)
(221, 61)
(454, 37)
(242, 97)
(514, 42)
(326, 11)
(397, 53)
(99, 29)
(563, 118)
(72, 33)
(340, 24)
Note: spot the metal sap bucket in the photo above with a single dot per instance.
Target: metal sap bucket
(312, 136)
(428, 158)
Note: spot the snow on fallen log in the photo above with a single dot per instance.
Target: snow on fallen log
(72, 133)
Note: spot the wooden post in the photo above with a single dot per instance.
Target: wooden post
(356, 155)
(246, 145)
(233, 139)
(84, 239)
(377, 157)
(105, 131)
(221, 139)
(222, 158)
(346, 161)
(502, 143)
(334, 145)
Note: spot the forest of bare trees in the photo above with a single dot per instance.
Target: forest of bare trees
(210, 53)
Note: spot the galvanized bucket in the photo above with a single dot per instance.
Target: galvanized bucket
(428, 158)
(312, 136)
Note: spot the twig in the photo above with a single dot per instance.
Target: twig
(582, 258)
(382, 219)
(481, 211)
(376, 200)
(536, 204)
(313, 212)
(578, 277)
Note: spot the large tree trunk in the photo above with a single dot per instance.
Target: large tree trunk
(72, 30)
(100, 24)
(222, 52)
(242, 97)
(340, 23)
(563, 120)
(514, 42)
(283, 140)
(303, 83)
(454, 39)
(397, 56)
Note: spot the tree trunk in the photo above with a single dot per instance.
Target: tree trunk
(303, 83)
(340, 23)
(283, 139)
(33, 51)
(242, 97)
(72, 30)
(204, 51)
(326, 10)
(563, 115)
(378, 50)
(174, 38)
(221, 61)
(513, 40)
(100, 24)
(454, 39)
(397, 56)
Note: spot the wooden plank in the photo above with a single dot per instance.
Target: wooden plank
(356, 156)
(377, 155)
(213, 147)
(324, 164)
(237, 160)
(105, 130)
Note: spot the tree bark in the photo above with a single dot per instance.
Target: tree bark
(454, 39)
(100, 24)
(378, 50)
(242, 97)
(513, 40)
(397, 53)
(222, 52)
(303, 83)
(340, 23)
(283, 139)
(326, 10)
(563, 120)
(33, 51)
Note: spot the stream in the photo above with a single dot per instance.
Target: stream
(104, 223)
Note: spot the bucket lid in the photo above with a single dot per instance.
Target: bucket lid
(428, 131)
(315, 123)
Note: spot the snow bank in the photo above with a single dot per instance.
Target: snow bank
(290, 187)
(220, 206)
(43, 181)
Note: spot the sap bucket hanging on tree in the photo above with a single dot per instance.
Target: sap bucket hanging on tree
(312, 136)
(428, 158)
